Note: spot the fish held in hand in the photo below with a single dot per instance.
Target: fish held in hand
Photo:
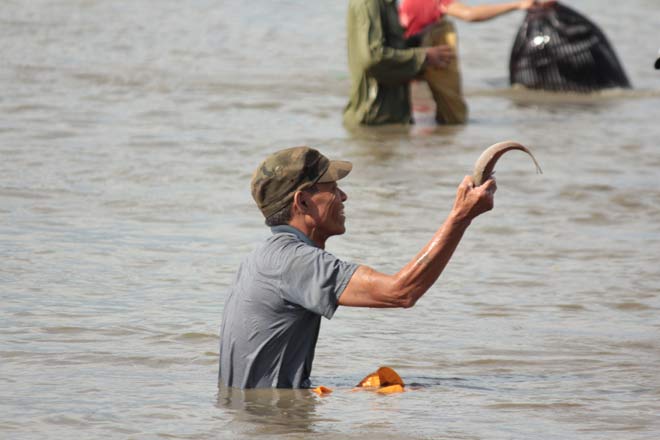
(483, 168)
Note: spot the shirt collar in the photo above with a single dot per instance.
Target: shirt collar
(287, 229)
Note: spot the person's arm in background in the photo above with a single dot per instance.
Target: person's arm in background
(484, 12)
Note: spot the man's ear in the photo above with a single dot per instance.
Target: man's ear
(300, 201)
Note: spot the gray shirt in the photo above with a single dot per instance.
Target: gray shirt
(272, 315)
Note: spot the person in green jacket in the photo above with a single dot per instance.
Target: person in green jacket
(381, 66)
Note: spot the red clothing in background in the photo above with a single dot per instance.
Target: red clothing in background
(415, 15)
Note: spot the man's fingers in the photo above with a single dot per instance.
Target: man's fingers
(490, 185)
(468, 181)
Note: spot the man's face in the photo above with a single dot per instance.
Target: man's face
(329, 203)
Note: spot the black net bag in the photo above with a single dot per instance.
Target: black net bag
(558, 49)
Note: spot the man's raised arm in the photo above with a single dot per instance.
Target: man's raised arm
(370, 288)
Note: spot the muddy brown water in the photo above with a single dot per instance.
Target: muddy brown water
(129, 131)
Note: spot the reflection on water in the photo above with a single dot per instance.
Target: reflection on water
(270, 411)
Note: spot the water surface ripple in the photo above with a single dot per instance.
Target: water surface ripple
(128, 135)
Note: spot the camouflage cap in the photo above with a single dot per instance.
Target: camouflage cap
(284, 172)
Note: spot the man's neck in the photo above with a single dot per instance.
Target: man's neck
(300, 224)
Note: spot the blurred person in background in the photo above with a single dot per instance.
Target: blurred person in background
(426, 25)
(381, 65)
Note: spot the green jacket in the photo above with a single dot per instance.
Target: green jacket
(380, 65)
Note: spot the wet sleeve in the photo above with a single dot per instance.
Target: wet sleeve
(314, 279)
(387, 65)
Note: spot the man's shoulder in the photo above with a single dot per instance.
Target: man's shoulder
(278, 246)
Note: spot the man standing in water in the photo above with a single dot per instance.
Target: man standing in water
(381, 66)
(426, 24)
(382, 60)
(273, 312)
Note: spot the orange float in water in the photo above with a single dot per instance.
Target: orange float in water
(322, 391)
(390, 389)
(384, 381)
